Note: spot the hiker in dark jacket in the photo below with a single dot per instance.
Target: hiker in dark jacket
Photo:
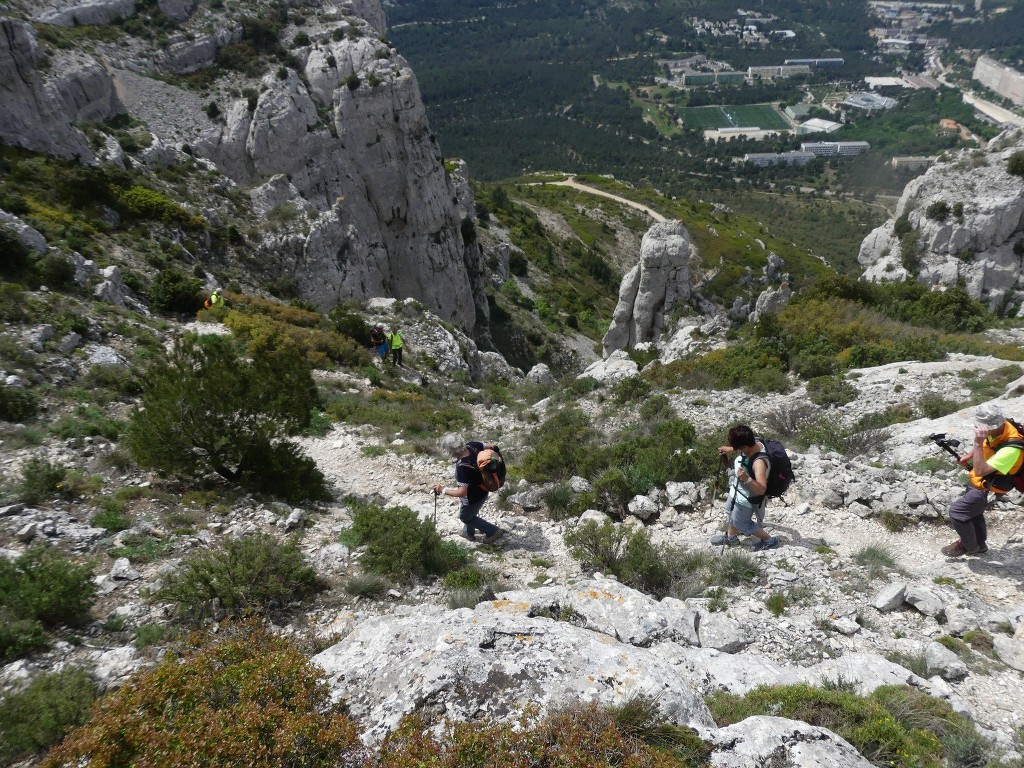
(378, 341)
(468, 487)
(747, 487)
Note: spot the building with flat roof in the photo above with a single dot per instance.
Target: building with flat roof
(912, 162)
(835, 148)
(816, 62)
(765, 159)
(818, 125)
(796, 111)
(778, 71)
(869, 101)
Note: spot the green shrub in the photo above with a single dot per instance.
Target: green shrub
(20, 637)
(12, 301)
(207, 409)
(369, 585)
(17, 404)
(87, 421)
(253, 575)
(143, 203)
(558, 500)
(55, 271)
(895, 725)
(401, 546)
(902, 226)
(14, 255)
(41, 479)
(42, 589)
(876, 558)
(934, 406)
(147, 635)
(37, 717)
(627, 390)
(831, 390)
(246, 697)
(938, 211)
(172, 291)
(1015, 165)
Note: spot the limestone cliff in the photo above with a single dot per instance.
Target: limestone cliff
(337, 136)
(42, 99)
(961, 222)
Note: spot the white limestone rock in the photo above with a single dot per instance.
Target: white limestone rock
(766, 740)
(890, 597)
(92, 13)
(467, 661)
(974, 248)
(616, 367)
(651, 289)
(29, 237)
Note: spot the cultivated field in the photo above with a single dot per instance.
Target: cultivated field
(748, 115)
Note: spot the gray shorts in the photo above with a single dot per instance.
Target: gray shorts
(741, 517)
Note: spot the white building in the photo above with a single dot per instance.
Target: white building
(835, 148)
(817, 125)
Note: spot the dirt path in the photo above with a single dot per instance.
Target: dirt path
(571, 182)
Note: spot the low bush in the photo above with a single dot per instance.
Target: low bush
(369, 585)
(659, 570)
(253, 575)
(401, 546)
(17, 404)
(144, 203)
(877, 559)
(245, 697)
(895, 725)
(935, 406)
(37, 717)
(830, 390)
(1015, 165)
(41, 479)
(172, 291)
(321, 348)
(40, 590)
(87, 421)
(585, 737)
(12, 298)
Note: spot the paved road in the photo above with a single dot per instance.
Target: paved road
(571, 182)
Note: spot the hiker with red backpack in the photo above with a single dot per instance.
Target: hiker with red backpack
(748, 489)
(479, 469)
(997, 457)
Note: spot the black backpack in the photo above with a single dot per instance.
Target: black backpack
(780, 474)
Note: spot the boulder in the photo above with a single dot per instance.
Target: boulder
(92, 13)
(616, 367)
(890, 597)
(493, 662)
(769, 741)
(926, 600)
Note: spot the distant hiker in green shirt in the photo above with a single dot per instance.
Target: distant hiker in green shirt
(395, 342)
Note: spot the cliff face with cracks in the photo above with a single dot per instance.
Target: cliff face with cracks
(339, 139)
(964, 219)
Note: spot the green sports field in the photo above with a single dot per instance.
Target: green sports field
(763, 116)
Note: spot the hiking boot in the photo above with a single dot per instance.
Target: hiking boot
(464, 533)
(982, 549)
(956, 549)
(720, 538)
(770, 543)
(494, 536)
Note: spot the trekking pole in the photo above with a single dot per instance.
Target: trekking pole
(714, 499)
(435, 509)
(946, 444)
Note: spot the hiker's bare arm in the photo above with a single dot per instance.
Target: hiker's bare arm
(461, 490)
(758, 484)
(977, 458)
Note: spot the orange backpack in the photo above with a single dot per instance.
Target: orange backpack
(492, 469)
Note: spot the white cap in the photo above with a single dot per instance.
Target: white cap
(989, 415)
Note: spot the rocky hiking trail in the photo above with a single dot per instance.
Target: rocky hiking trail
(835, 615)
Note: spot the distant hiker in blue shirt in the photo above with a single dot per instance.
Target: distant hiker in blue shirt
(379, 341)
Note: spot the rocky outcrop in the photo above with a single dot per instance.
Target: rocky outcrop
(967, 215)
(39, 113)
(652, 288)
(382, 217)
(94, 13)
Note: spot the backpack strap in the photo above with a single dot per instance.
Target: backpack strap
(755, 501)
